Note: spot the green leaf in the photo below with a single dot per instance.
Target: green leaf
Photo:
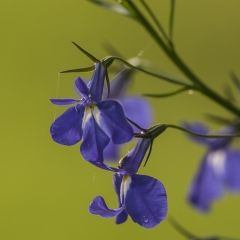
(86, 69)
(138, 63)
(86, 53)
(162, 95)
(113, 7)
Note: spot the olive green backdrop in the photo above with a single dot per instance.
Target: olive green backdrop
(46, 188)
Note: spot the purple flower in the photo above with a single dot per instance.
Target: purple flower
(219, 169)
(91, 119)
(141, 197)
(135, 108)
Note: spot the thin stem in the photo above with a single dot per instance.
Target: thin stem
(111, 58)
(171, 20)
(160, 28)
(201, 135)
(181, 229)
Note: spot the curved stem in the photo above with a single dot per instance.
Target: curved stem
(201, 135)
(169, 79)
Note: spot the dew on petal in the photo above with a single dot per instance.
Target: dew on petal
(145, 220)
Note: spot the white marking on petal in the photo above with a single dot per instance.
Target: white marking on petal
(87, 116)
(97, 113)
(217, 160)
(126, 181)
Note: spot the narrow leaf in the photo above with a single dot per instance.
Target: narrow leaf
(108, 83)
(149, 153)
(86, 69)
(86, 53)
(162, 95)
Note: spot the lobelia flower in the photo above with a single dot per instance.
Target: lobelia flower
(91, 119)
(141, 197)
(135, 108)
(219, 169)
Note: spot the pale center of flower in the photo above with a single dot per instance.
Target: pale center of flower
(87, 101)
(87, 114)
(217, 160)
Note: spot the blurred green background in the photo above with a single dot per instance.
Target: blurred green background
(46, 188)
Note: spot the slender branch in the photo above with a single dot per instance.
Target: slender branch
(160, 28)
(171, 20)
(169, 79)
(201, 135)
(181, 229)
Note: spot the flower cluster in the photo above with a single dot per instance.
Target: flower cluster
(101, 124)
(219, 168)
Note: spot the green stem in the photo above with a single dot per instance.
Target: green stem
(171, 53)
(198, 134)
(161, 29)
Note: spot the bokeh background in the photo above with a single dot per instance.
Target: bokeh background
(46, 188)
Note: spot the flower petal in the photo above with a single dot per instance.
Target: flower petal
(111, 119)
(122, 217)
(67, 129)
(81, 87)
(233, 170)
(146, 201)
(119, 84)
(117, 181)
(94, 139)
(135, 157)
(99, 207)
(218, 143)
(97, 82)
(209, 181)
(63, 101)
(213, 143)
(111, 152)
(138, 110)
(104, 166)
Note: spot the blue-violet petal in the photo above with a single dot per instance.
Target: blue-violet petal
(146, 201)
(97, 82)
(94, 139)
(82, 87)
(67, 128)
(112, 120)
(99, 207)
(63, 101)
